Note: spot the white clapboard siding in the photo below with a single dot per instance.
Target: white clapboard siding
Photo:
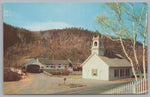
(133, 87)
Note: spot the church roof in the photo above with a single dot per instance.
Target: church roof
(112, 61)
(116, 61)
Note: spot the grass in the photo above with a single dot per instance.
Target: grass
(146, 75)
(57, 72)
(71, 85)
(69, 76)
(130, 79)
(73, 76)
(124, 79)
(49, 70)
(65, 76)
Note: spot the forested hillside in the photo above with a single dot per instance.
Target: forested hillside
(69, 43)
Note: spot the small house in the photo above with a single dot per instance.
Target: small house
(56, 64)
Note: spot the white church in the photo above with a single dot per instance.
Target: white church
(99, 67)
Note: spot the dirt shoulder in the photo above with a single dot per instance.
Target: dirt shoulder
(14, 87)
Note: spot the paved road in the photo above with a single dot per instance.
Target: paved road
(42, 84)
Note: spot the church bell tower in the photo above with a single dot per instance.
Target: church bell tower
(97, 46)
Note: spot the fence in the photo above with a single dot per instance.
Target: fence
(134, 87)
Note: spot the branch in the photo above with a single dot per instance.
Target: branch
(111, 38)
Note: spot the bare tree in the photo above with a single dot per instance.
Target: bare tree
(144, 38)
(121, 15)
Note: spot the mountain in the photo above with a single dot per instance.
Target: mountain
(69, 43)
(10, 36)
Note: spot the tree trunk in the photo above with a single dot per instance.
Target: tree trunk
(125, 52)
(133, 70)
(144, 36)
(134, 44)
(136, 61)
(144, 67)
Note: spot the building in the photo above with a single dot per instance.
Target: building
(33, 66)
(100, 67)
(36, 65)
(56, 64)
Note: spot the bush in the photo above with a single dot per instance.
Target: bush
(72, 85)
(57, 72)
(11, 76)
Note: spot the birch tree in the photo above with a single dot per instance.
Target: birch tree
(144, 35)
(124, 23)
(139, 22)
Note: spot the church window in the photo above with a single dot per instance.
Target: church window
(94, 72)
(127, 72)
(121, 72)
(116, 73)
(95, 43)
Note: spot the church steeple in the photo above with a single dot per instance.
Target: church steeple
(97, 46)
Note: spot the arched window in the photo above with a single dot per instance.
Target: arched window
(95, 43)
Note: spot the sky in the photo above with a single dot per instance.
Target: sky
(46, 16)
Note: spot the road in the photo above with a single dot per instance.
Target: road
(42, 84)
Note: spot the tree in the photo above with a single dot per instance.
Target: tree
(143, 33)
(124, 22)
(139, 21)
